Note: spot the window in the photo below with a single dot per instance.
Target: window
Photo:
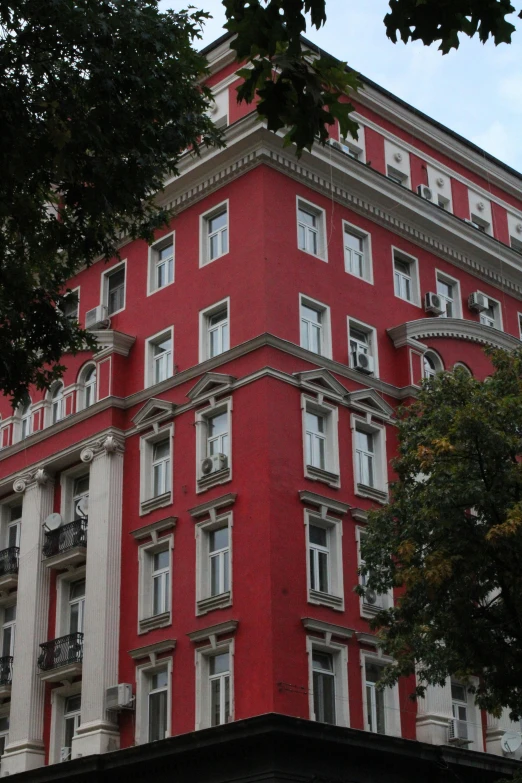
(315, 326)
(88, 386)
(157, 706)
(324, 567)
(397, 161)
(57, 403)
(311, 229)
(320, 441)
(4, 734)
(219, 685)
(13, 525)
(214, 330)
(405, 277)
(444, 202)
(71, 723)
(155, 584)
(362, 340)
(370, 465)
(213, 452)
(371, 602)
(25, 419)
(399, 177)
(8, 639)
(357, 260)
(432, 364)
(76, 606)
(328, 673)
(516, 244)
(375, 708)
(161, 263)
(159, 359)
(449, 291)
(355, 148)
(215, 684)
(156, 470)
(71, 305)
(323, 687)
(480, 224)
(213, 564)
(80, 498)
(492, 316)
(459, 710)
(115, 290)
(214, 234)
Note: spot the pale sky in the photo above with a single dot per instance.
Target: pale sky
(476, 91)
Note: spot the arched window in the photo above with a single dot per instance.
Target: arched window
(432, 364)
(88, 385)
(25, 418)
(57, 403)
(463, 367)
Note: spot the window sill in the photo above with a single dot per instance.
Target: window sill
(158, 502)
(214, 602)
(326, 599)
(369, 611)
(371, 492)
(314, 255)
(219, 477)
(317, 474)
(157, 621)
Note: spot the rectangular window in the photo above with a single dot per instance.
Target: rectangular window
(8, 637)
(214, 563)
(315, 326)
(459, 709)
(214, 685)
(213, 445)
(161, 263)
(365, 458)
(157, 706)
(155, 583)
(71, 306)
(217, 434)
(403, 281)
(324, 553)
(355, 148)
(355, 253)
(323, 687)
(71, 723)
(214, 330)
(492, 316)
(116, 290)
(161, 582)
(399, 177)
(319, 553)
(375, 706)
(4, 734)
(320, 441)
(156, 470)
(315, 440)
(214, 234)
(449, 291)
(311, 229)
(362, 340)
(369, 456)
(76, 606)
(13, 525)
(161, 467)
(219, 686)
(371, 602)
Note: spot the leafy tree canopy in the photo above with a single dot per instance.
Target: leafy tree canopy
(450, 540)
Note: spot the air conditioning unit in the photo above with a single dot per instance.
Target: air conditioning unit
(214, 463)
(364, 363)
(335, 144)
(425, 192)
(65, 754)
(372, 598)
(119, 697)
(434, 304)
(458, 732)
(478, 302)
(97, 318)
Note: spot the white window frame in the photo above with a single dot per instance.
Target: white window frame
(204, 245)
(143, 674)
(474, 721)
(379, 492)
(334, 598)
(437, 361)
(392, 714)
(61, 403)
(18, 422)
(59, 697)
(498, 313)
(147, 501)
(457, 300)
(355, 148)
(331, 474)
(339, 653)
(82, 386)
(384, 600)
(104, 291)
(326, 328)
(202, 415)
(154, 262)
(367, 262)
(146, 619)
(401, 255)
(63, 584)
(204, 322)
(6, 522)
(202, 657)
(150, 361)
(205, 601)
(320, 215)
(77, 292)
(371, 331)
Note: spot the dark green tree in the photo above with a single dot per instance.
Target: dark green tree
(450, 540)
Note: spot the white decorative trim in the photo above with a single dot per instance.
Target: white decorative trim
(457, 328)
(149, 650)
(111, 341)
(211, 633)
(212, 506)
(152, 530)
(325, 505)
(327, 629)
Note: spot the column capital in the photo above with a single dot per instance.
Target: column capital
(106, 445)
(34, 478)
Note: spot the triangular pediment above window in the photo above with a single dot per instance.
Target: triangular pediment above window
(369, 399)
(153, 411)
(321, 381)
(210, 384)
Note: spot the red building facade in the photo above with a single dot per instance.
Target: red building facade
(210, 468)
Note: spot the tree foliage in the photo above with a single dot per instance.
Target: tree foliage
(450, 540)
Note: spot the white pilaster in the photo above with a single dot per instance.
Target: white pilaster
(97, 734)
(26, 749)
(434, 714)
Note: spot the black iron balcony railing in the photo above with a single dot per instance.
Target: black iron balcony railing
(6, 670)
(9, 560)
(59, 652)
(66, 537)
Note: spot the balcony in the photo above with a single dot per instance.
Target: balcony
(9, 568)
(61, 658)
(67, 545)
(6, 675)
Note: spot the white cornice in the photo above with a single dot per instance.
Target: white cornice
(111, 341)
(456, 328)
